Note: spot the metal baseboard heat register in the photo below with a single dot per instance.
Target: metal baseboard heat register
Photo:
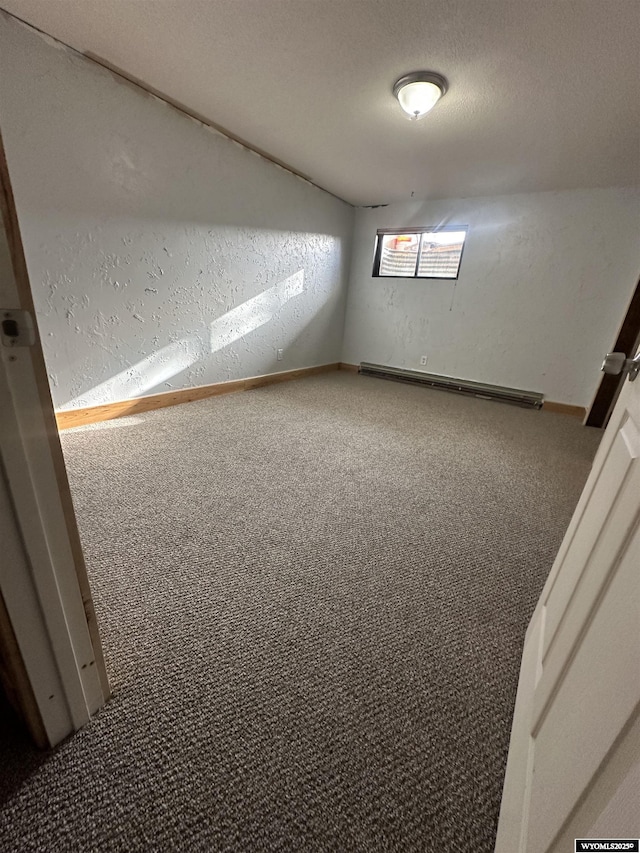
(515, 396)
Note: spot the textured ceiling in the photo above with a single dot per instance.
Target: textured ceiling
(543, 95)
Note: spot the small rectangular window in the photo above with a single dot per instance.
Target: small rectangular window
(419, 252)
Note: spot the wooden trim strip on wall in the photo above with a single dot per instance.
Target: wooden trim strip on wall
(108, 411)
(564, 409)
(95, 414)
(124, 76)
(138, 83)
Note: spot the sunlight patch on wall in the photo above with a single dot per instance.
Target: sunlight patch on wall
(255, 312)
(146, 374)
(172, 359)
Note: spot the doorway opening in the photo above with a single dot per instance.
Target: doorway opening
(627, 342)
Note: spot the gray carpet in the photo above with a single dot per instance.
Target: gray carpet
(313, 598)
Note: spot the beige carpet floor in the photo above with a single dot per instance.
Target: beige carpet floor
(313, 598)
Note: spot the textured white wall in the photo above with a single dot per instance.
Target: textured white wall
(544, 284)
(161, 254)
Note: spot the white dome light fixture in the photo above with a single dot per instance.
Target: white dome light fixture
(419, 92)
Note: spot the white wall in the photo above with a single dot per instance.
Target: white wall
(544, 284)
(161, 254)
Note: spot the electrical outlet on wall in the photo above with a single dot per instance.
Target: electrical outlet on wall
(279, 354)
(423, 360)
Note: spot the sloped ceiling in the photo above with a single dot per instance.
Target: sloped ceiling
(543, 95)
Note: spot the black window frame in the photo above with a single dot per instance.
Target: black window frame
(428, 229)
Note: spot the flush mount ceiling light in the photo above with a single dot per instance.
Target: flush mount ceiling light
(419, 92)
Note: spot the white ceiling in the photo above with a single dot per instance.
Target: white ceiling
(543, 94)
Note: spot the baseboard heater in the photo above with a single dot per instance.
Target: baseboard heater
(527, 399)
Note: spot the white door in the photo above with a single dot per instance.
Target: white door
(574, 760)
(51, 661)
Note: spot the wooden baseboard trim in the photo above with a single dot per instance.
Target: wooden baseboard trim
(94, 414)
(564, 409)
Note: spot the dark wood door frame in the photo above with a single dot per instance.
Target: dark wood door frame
(626, 342)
